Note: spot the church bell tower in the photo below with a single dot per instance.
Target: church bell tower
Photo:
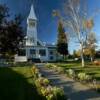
(31, 37)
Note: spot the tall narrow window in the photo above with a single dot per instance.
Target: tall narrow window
(42, 52)
(51, 52)
(32, 51)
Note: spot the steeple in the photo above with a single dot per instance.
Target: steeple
(32, 13)
(31, 28)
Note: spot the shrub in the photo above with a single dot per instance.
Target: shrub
(46, 91)
(41, 82)
(58, 93)
(60, 70)
(70, 73)
(35, 72)
(84, 77)
(49, 65)
(53, 93)
(56, 68)
(96, 62)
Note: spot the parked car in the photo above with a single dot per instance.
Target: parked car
(34, 60)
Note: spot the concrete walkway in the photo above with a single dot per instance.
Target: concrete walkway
(74, 90)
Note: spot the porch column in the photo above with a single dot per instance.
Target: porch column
(37, 53)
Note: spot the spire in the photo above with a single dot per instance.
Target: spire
(32, 13)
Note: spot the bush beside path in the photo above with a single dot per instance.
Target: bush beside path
(74, 90)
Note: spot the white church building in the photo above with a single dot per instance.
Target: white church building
(33, 48)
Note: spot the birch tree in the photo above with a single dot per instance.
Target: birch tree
(77, 21)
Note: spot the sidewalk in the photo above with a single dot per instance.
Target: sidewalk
(74, 90)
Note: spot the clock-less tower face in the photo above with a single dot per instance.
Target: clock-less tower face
(32, 23)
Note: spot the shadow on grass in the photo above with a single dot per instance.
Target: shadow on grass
(98, 78)
(85, 95)
(22, 64)
(14, 86)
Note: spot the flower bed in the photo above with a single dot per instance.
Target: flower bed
(81, 76)
(56, 68)
(77, 76)
(45, 89)
(96, 62)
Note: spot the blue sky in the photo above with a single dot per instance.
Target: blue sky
(47, 25)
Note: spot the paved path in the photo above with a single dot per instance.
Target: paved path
(74, 90)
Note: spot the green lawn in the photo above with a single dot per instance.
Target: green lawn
(89, 68)
(16, 83)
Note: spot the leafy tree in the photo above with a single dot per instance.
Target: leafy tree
(75, 54)
(62, 45)
(3, 14)
(86, 52)
(91, 40)
(11, 33)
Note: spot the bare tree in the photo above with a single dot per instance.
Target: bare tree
(77, 21)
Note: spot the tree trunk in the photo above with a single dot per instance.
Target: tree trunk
(63, 57)
(82, 56)
(92, 58)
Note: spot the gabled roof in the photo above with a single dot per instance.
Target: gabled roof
(40, 43)
(32, 14)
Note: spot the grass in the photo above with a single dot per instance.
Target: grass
(89, 68)
(16, 83)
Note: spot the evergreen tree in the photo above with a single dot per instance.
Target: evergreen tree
(62, 45)
(74, 53)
